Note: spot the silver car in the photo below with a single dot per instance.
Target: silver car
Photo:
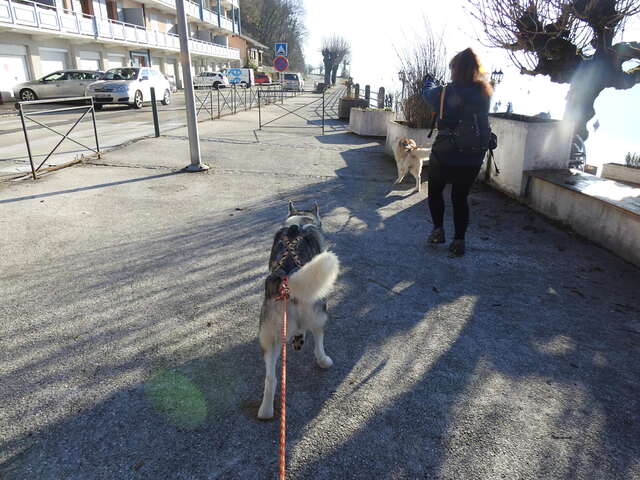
(130, 86)
(60, 84)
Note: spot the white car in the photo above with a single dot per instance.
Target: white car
(293, 81)
(130, 86)
(210, 80)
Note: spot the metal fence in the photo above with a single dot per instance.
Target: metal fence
(312, 105)
(83, 107)
(217, 102)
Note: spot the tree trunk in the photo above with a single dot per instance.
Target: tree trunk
(328, 68)
(588, 82)
(334, 74)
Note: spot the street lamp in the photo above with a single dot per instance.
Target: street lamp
(402, 76)
(496, 76)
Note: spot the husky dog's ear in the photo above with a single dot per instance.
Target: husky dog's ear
(291, 208)
(316, 209)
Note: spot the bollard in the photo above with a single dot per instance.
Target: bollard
(154, 110)
(356, 91)
(381, 97)
(367, 94)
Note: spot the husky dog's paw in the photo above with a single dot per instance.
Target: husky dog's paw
(297, 342)
(265, 412)
(325, 362)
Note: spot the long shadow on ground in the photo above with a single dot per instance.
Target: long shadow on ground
(516, 360)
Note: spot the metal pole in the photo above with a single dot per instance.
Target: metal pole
(26, 137)
(259, 112)
(192, 121)
(211, 104)
(154, 110)
(218, 102)
(323, 112)
(95, 129)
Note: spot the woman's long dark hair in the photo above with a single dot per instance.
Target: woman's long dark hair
(467, 70)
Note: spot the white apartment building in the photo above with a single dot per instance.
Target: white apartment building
(39, 37)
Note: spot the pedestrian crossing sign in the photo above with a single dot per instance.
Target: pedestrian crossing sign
(282, 50)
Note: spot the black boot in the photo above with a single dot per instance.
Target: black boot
(436, 236)
(456, 248)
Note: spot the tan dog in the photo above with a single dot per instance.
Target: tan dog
(409, 158)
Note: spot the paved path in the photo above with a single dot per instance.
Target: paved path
(131, 294)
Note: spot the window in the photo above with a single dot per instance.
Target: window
(112, 9)
(55, 76)
(121, 74)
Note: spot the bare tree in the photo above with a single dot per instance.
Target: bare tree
(274, 21)
(428, 57)
(334, 50)
(571, 41)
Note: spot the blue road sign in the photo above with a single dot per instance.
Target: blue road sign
(282, 50)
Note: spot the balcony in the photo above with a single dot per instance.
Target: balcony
(226, 23)
(33, 16)
(209, 16)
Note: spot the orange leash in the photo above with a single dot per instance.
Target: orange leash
(284, 296)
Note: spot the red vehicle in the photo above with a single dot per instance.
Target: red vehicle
(262, 78)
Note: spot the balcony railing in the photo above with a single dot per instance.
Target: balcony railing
(46, 18)
(208, 15)
(226, 23)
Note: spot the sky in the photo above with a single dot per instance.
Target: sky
(378, 29)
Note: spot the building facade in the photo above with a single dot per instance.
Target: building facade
(37, 38)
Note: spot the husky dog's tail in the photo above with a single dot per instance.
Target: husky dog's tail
(316, 278)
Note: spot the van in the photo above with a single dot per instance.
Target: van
(292, 81)
(245, 77)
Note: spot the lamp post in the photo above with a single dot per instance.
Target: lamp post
(402, 76)
(496, 79)
(196, 164)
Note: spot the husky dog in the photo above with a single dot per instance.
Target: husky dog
(409, 158)
(298, 253)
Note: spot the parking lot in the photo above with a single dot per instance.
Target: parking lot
(116, 125)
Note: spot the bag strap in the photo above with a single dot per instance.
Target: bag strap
(492, 160)
(433, 121)
(442, 95)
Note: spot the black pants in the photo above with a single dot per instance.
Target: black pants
(461, 179)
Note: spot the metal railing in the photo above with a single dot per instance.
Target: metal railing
(27, 114)
(215, 103)
(44, 17)
(374, 98)
(272, 96)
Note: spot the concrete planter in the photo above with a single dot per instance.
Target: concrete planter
(525, 144)
(369, 123)
(621, 173)
(397, 130)
(346, 104)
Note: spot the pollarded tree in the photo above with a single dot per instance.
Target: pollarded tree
(334, 50)
(571, 41)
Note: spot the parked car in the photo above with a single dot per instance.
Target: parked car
(262, 78)
(245, 77)
(59, 84)
(130, 86)
(210, 80)
(293, 81)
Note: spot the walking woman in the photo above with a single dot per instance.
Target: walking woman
(467, 96)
